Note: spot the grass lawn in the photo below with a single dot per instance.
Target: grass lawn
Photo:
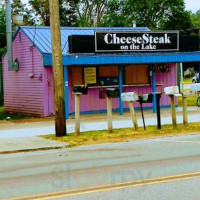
(123, 135)
(4, 115)
(187, 80)
(191, 101)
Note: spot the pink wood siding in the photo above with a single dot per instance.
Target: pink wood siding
(50, 90)
(23, 94)
(91, 101)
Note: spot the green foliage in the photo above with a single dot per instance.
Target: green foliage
(2, 50)
(115, 16)
(67, 13)
(18, 7)
(191, 100)
(2, 28)
(180, 20)
(155, 14)
(11, 116)
(40, 8)
(89, 12)
(41, 12)
(190, 72)
(196, 19)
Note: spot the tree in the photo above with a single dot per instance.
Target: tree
(89, 12)
(2, 28)
(178, 18)
(20, 8)
(114, 15)
(67, 13)
(155, 14)
(40, 10)
(195, 18)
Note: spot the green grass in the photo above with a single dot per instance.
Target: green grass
(123, 135)
(191, 101)
(187, 80)
(8, 116)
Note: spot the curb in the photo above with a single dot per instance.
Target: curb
(31, 150)
(94, 145)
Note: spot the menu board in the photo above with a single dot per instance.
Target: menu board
(90, 76)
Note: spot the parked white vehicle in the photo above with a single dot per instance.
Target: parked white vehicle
(195, 78)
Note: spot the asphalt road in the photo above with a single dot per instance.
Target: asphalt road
(165, 168)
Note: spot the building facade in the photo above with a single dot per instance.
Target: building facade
(29, 89)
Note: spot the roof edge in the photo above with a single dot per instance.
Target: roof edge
(125, 59)
(86, 28)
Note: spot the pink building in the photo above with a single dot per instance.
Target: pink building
(29, 89)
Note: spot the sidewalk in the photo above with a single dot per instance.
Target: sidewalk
(24, 134)
(29, 128)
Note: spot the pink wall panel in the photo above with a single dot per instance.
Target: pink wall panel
(91, 101)
(23, 94)
(167, 79)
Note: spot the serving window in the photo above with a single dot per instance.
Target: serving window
(136, 74)
(108, 75)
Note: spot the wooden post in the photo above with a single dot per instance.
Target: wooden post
(109, 114)
(77, 114)
(59, 105)
(185, 118)
(133, 115)
(173, 110)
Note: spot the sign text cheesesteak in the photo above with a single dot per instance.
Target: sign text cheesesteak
(136, 41)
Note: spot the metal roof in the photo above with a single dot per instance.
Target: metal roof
(41, 36)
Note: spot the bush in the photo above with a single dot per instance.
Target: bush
(190, 72)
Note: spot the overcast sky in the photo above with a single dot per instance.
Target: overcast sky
(192, 5)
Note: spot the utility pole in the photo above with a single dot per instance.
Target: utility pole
(58, 76)
(9, 34)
